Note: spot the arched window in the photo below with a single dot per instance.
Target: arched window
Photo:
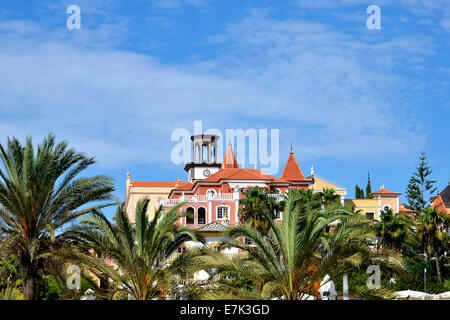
(201, 215)
(190, 215)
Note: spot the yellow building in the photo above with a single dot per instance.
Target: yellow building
(154, 190)
(382, 199)
(368, 207)
(322, 183)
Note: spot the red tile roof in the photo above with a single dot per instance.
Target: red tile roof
(386, 192)
(292, 171)
(238, 174)
(229, 160)
(439, 204)
(187, 187)
(158, 184)
(403, 209)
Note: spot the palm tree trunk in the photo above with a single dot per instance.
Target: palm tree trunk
(438, 266)
(345, 286)
(30, 285)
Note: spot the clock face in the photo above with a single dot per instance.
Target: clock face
(206, 173)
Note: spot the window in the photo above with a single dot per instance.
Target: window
(190, 215)
(247, 241)
(370, 215)
(386, 207)
(222, 212)
(181, 250)
(201, 215)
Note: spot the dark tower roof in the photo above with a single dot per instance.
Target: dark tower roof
(445, 195)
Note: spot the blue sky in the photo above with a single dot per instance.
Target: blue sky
(351, 100)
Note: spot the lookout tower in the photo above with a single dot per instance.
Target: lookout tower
(204, 157)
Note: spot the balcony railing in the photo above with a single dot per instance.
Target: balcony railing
(278, 197)
(198, 199)
(174, 255)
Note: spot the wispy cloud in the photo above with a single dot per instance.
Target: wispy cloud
(179, 3)
(306, 78)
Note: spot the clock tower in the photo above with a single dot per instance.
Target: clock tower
(200, 168)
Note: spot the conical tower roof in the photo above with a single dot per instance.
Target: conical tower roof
(292, 171)
(229, 160)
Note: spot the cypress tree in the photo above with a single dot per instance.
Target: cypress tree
(419, 186)
(368, 188)
(359, 192)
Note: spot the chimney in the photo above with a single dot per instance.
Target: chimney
(177, 182)
(312, 170)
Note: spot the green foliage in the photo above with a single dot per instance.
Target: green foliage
(39, 195)
(430, 231)
(393, 229)
(420, 189)
(256, 205)
(359, 192)
(51, 289)
(368, 188)
(288, 261)
(137, 256)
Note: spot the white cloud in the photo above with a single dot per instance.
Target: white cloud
(179, 3)
(317, 85)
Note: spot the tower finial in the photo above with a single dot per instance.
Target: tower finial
(128, 175)
(292, 149)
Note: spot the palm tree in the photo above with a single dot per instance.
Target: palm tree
(393, 229)
(430, 230)
(329, 197)
(39, 194)
(256, 205)
(134, 257)
(290, 261)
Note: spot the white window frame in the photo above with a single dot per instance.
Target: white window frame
(217, 212)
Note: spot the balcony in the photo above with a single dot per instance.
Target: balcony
(278, 197)
(198, 199)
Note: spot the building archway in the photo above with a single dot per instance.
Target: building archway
(201, 215)
(190, 218)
